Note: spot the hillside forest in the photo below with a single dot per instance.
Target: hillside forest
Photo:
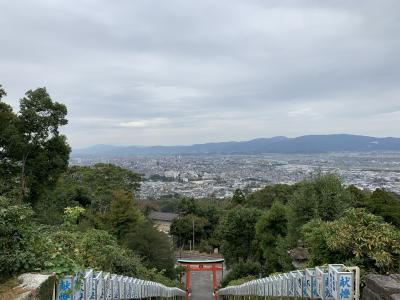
(60, 218)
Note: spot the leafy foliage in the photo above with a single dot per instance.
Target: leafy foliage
(2, 92)
(237, 232)
(242, 269)
(71, 214)
(16, 238)
(87, 216)
(83, 214)
(359, 237)
(323, 197)
(32, 152)
(90, 187)
(238, 197)
(123, 215)
(386, 205)
(264, 198)
(154, 247)
(182, 228)
(206, 214)
(271, 228)
(241, 280)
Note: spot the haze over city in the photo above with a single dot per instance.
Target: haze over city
(178, 72)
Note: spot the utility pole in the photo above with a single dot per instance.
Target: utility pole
(193, 232)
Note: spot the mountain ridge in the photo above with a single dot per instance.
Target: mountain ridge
(278, 144)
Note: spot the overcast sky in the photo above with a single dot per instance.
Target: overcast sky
(182, 72)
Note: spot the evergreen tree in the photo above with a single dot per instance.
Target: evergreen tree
(123, 215)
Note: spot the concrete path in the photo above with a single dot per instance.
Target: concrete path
(201, 282)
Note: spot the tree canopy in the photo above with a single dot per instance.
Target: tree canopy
(358, 237)
(33, 153)
(237, 233)
(322, 197)
(61, 219)
(271, 228)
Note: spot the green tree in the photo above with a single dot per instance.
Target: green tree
(359, 197)
(187, 206)
(8, 133)
(238, 197)
(359, 238)
(16, 238)
(237, 232)
(271, 228)
(264, 198)
(2, 92)
(123, 215)
(96, 184)
(385, 204)
(182, 229)
(323, 197)
(154, 246)
(207, 209)
(91, 187)
(31, 143)
(242, 269)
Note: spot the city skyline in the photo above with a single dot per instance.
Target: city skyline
(179, 73)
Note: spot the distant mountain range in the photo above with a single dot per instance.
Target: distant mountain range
(278, 144)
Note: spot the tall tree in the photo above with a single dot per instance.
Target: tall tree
(237, 231)
(182, 228)
(30, 141)
(123, 215)
(270, 228)
(8, 133)
(323, 197)
(154, 246)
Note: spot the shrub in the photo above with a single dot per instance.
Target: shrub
(359, 238)
(16, 238)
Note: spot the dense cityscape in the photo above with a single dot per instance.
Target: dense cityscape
(219, 175)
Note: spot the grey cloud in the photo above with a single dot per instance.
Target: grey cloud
(211, 70)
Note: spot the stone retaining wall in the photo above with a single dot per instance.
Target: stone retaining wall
(380, 287)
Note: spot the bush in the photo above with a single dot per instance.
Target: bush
(241, 270)
(242, 280)
(154, 247)
(359, 238)
(205, 247)
(16, 238)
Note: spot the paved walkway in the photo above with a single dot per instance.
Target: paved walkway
(201, 282)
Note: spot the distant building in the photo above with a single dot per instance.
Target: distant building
(171, 174)
(162, 221)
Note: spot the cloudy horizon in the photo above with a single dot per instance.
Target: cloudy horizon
(180, 72)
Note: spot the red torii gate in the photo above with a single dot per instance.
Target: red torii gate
(213, 265)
